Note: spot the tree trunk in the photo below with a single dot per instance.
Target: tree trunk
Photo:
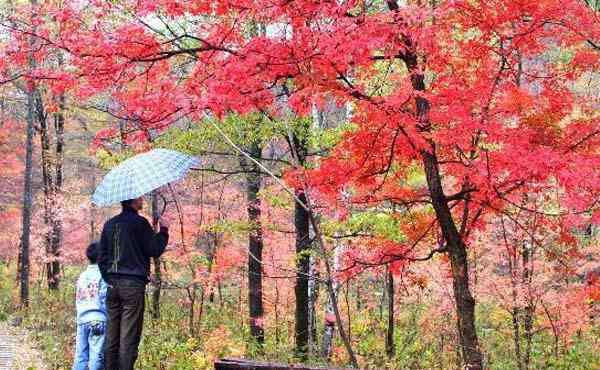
(515, 313)
(313, 296)
(358, 296)
(27, 183)
(48, 186)
(528, 310)
(213, 240)
(255, 245)
(155, 305)
(56, 240)
(456, 248)
(389, 338)
(27, 203)
(465, 304)
(329, 327)
(191, 291)
(93, 231)
(18, 272)
(515, 310)
(52, 182)
(301, 223)
(276, 311)
(517, 335)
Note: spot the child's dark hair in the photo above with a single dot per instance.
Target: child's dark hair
(92, 252)
(126, 203)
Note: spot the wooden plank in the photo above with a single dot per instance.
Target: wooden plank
(241, 364)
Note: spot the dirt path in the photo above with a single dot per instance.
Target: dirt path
(17, 350)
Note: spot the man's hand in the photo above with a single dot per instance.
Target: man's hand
(163, 222)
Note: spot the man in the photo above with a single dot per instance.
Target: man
(91, 315)
(127, 244)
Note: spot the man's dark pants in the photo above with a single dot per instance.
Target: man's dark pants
(125, 304)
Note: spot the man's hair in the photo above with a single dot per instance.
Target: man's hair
(92, 252)
(127, 203)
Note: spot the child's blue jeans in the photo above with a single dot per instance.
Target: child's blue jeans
(89, 349)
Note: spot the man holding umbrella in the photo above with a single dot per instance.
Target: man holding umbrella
(127, 244)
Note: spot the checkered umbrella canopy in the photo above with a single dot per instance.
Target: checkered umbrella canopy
(142, 174)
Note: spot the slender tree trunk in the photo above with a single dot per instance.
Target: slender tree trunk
(515, 313)
(211, 251)
(301, 223)
(329, 327)
(27, 184)
(528, 310)
(27, 204)
(517, 336)
(255, 245)
(389, 338)
(18, 274)
(48, 186)
(348, 314)
(313, 295)
(191, 291)
(123, 133)
(358, 295)
(155, 305)
(220, 291)
(93, 231)
(276, 309)
(555, 332)
(202, 302)
(56, 242)
(383, 296)
(330, 284)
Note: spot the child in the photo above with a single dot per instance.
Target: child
(91, 315)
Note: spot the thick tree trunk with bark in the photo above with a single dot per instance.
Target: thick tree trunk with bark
(456, 249)
(302, 221)
(52, 183)
(454, 244)
(255, 245)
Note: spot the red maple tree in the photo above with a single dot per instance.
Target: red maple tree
(481, 98)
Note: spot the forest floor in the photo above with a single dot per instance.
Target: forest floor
(17, 349)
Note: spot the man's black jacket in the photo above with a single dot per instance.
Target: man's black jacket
(126, 245)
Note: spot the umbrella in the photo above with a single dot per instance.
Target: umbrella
(142, 174)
